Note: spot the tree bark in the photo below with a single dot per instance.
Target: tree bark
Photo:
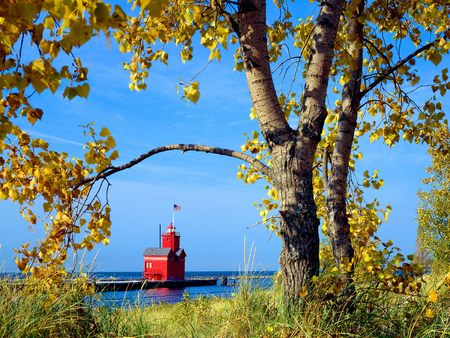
(253, 42)
(292, 150)
(299, 258)
(339, 229)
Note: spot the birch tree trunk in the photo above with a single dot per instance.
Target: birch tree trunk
(339, 229)
(292, 150)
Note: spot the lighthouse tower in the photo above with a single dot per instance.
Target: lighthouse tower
(171, 239)
(167, 262)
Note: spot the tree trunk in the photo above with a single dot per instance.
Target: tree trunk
(292, 151)
(339, 230)
(299, 259)
(309, 132)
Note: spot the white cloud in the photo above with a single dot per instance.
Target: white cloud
(54, 138)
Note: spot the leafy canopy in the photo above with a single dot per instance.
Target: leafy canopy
(433, 213)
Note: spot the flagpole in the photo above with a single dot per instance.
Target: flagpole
(173, 217)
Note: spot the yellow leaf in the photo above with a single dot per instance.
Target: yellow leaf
(252, 113)
(415, 80)
(21, 264)
(13, 194)
(344, 79)
(386, 216)
(215, 54)
(114, 155)
(440, 29)
(3, 195)
(47, 207)
(155, 7)
(83, 90)
(49, 23)
(433, 296)
(54, 50)
(110, 142)
(191, 92)
(303, 293)
(436, 58)
(105, 132)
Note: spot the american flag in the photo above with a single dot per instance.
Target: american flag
(176, 207)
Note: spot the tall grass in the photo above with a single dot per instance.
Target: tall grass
(255, 312)
(29, 311)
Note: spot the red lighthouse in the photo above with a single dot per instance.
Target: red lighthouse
(168, 262)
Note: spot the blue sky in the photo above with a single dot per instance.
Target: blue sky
(217, 210)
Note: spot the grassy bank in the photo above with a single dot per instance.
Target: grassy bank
(32, 312)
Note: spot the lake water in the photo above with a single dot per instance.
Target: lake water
(158, 295)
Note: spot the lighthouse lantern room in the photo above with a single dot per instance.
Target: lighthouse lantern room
(168, 261)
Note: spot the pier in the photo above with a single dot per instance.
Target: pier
(111, 284)
(142, 284)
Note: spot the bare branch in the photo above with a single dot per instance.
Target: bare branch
(233, 23)
(281, 64)
(378, 51)
(183, 147)
(392, 69)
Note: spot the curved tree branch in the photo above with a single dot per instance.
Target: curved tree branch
(183, 147)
